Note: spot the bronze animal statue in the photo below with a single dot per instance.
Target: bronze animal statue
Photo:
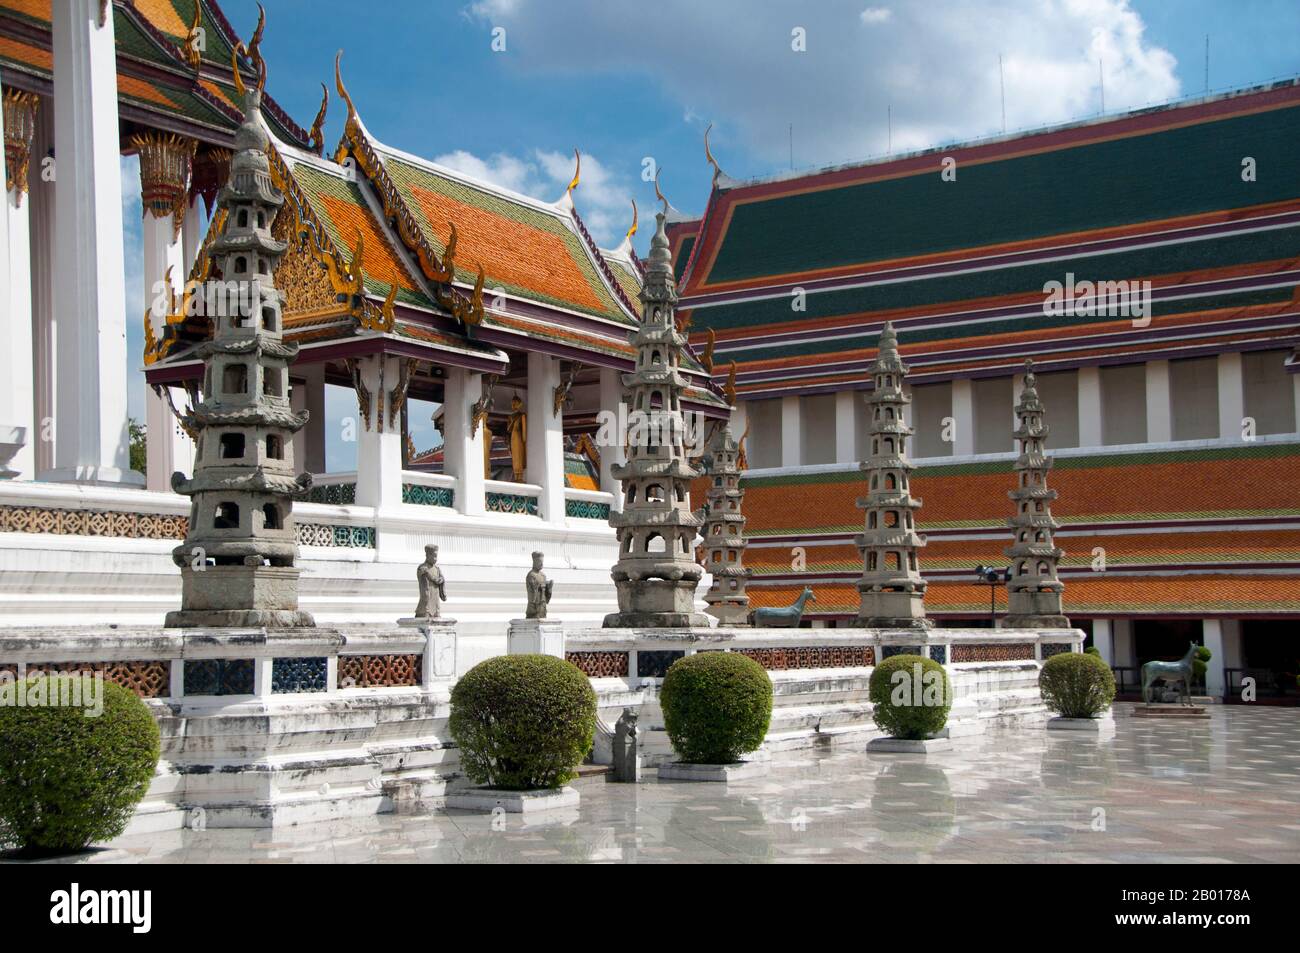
(1170, 672)
(782, 617)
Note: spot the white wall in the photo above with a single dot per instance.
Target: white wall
(764, 445)
(931, 403)
(1268, 391)
(1123, 404)
(817, 432)
(994, 414)
(1194, 398)
(1059, 392)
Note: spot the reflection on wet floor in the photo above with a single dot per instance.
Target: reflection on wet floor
(1217, 792)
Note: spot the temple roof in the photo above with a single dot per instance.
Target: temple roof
(960, 266)
(1161, 516)
(158, 87)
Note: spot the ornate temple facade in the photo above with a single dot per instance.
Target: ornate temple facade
(892, 592)
(656, 574)
(1033, 589)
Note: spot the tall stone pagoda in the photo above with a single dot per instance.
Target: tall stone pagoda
(238, 559)
(892, 592)
(1033, 589)
(656, 574)
(724, 531)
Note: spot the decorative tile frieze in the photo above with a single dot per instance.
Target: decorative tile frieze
(992, 652)
(794, 657)
(655, 664)
(939, 653)
(299, 675)
(326, 534)
(1055, 648)
(69, 522)
(586, 509)
(338, 494)
(599, 664)
(379, 671)
(219, 676)
(510, 503)
(422, 495)
(889, 651)
(148, 679)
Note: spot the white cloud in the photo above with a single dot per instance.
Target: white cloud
(602, 199)
(936, 66)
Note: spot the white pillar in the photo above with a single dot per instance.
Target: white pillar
(963, 417)
(1089, 379)
(1125, 649)
(192, 232)
(91, 443)
(1232, 399)
(1212, 639)
(846, 430)
(41, 196)
(1103, 640)
(545, 436)
(167, 447)
(463, 450)
(611, 448)
(1160, 415)
(791, 431)
(17, 409)
(309, 395)
(379, 445)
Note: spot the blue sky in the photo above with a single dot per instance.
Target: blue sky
(630, 83)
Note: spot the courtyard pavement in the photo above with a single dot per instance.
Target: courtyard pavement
(1219, 792)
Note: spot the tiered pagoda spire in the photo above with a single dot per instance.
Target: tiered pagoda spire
(656, 574)
(724, 531)
(238, 559)
(892, 592)
(1033, 589)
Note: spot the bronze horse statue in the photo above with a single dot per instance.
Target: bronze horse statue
(782, 617)
(1170, 672)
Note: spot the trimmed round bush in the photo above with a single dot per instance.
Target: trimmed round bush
(717, 706)
(523, 722)
(1076, 685)
(910, 696)
(1200, 664)
(71, 774)
(1092, 650)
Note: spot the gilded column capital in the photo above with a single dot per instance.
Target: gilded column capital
(20, 126)
(166, 168)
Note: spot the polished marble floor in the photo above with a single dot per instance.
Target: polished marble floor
(1226, 791)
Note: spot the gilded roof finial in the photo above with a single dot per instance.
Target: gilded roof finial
(707, 357)
(729, 389)
(338, 82)
(708, 154)
(234, 69)
(254, 49)
(632, 230)
(189, 47)
(317, 133)
(577, 170)
(658, 194)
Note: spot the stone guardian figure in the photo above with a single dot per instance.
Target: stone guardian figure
(433, 588)
(539, 590)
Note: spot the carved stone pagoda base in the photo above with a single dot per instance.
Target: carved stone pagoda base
(221, 596)
(906, 622)
(730, 613)
(239, 618)
(656, 604)
(1034, 622)
(1027, 609)
(656, 620)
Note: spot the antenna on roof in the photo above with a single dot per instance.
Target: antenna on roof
(1002, 92)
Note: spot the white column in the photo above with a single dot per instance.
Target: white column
(1232, 399)
(791, 431)
(192, 232)
(463, 450)
(1212, 639)
(167, 447)
(545, 436)
(17, 410)
(1103, 640)
(1125, 649)
(41, 195)
(379, 446)
(963, 417)
(611, 449)
(1160, 414)
(309, 395)
(846, 430)
(91, 443)
(1089, 379)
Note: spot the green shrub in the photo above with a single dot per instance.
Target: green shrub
(523, 722)
(70, 776)
(717, 706)
(907, 701)
(1092, 650)
(1076, 685)
(1199, 666)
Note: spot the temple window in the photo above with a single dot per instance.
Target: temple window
(271, 516)
(274, 447)
(271, 382)
(654, 493)
(226, 516)
(891, 518)
(241, 265)
(655, 544)
(234, 379)
(679, 491)
(891, 483)
(871, 520)
(268, 319)
(631, 493)
(891, 560)
(263, 268)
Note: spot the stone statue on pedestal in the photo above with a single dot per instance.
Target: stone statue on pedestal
(433, 588)
(627, 763)
(539, 590)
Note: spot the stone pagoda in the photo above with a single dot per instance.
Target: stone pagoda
(1033, 590)
(892, 590)
(724, 531)
(238, 559)
(656, 574)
